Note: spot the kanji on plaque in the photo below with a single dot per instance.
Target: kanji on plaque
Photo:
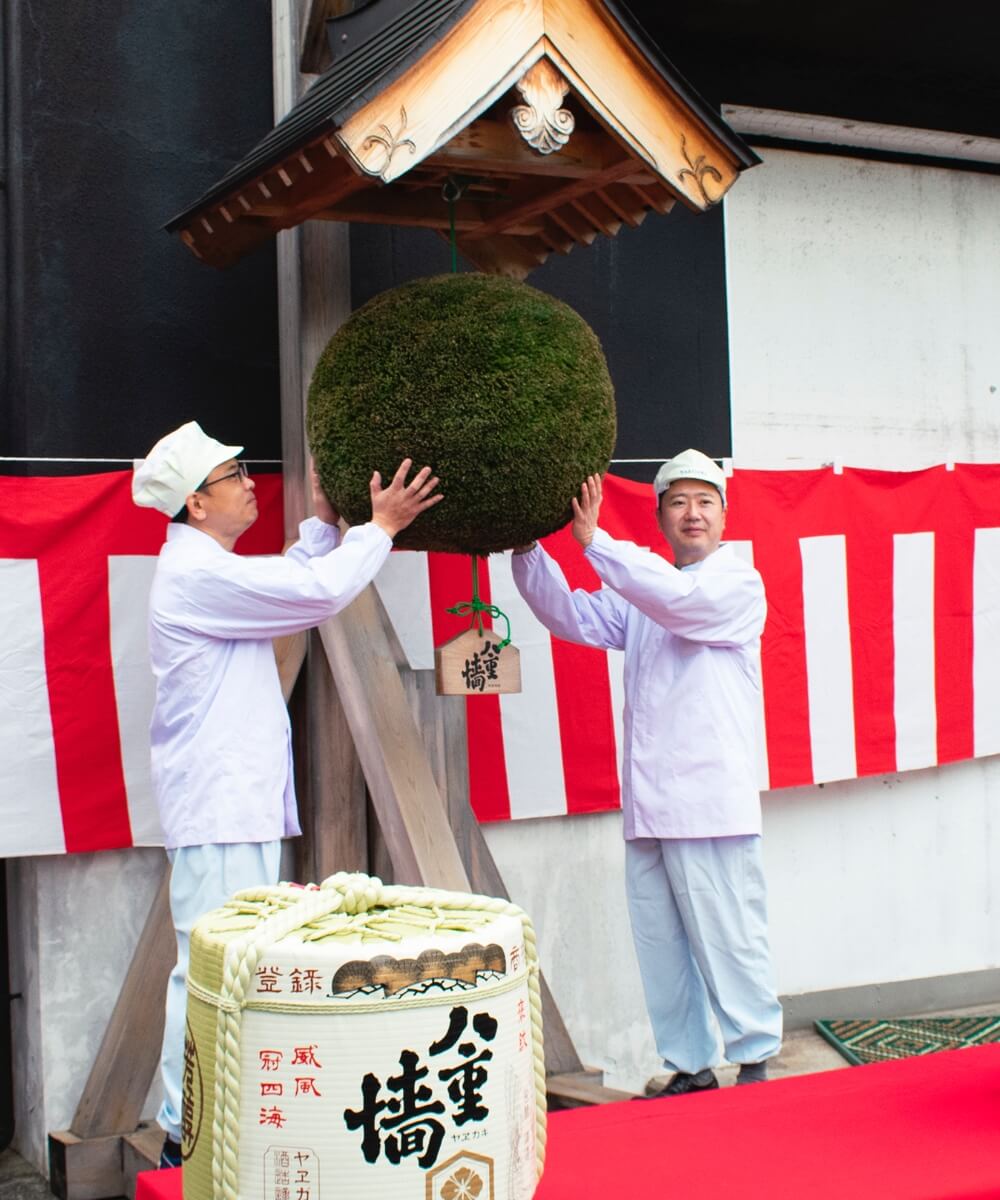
(477, 664)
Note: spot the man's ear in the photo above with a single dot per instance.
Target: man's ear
(195, 507)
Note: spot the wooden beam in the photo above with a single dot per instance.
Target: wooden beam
(140, 1152)
(427, 210)
(290, 654)
(535, 199)
(314, 299)
(399, 778)
(85, 1168)
(623, 202)
(556, 238)
(654, 196)
(495, 147)
(580, 1088)
(514, 257)
(332, 801)
(594, 210)
(572, 222)
(329, 181)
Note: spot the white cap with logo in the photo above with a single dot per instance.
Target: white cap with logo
(691, 464)
(175, 466)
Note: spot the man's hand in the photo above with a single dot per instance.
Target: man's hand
(394, 507)
(321, 501)
(586, 510)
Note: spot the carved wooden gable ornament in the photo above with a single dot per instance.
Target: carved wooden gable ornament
(546, 122)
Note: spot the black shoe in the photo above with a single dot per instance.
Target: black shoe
(682, 1083)
(170, 1155)
(752, 1073)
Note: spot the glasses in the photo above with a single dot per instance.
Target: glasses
(241, 473)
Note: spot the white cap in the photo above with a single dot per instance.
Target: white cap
(691, 464)
(175, 466)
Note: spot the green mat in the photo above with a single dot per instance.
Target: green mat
(877, 1041)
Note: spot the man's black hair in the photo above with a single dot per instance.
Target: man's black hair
(181, 518)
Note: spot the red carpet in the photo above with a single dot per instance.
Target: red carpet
(918, 1129)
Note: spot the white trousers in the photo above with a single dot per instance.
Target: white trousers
(201, 878)
(699, 919)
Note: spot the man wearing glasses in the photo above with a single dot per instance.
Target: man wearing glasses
(220, 736)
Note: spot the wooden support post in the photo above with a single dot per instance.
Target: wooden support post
(85, 1168)
(332, 799)
(313, 300)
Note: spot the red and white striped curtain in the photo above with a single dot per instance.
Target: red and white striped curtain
(881, 652)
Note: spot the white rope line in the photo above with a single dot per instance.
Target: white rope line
(260, 462)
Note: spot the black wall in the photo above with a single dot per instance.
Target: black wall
(116, 115)
(656, 298)
(889, 61)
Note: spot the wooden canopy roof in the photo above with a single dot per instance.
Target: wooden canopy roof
(551, 121)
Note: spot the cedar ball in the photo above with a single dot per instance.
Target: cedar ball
(502, 389)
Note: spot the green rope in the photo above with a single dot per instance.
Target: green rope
(452, 191)
(475, 608)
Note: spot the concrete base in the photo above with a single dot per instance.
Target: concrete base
(899, 998)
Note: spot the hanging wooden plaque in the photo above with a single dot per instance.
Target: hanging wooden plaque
(472, 664)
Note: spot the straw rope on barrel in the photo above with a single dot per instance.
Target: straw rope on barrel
(342, 914)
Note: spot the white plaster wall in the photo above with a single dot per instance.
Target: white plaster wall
(74, 922)
(863, 313)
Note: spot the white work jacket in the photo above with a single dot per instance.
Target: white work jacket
(692, 678)
(220, 736)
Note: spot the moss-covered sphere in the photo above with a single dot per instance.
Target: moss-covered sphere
(500, 388)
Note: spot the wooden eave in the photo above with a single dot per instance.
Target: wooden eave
(638, 138)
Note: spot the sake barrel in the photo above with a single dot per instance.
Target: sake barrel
(354, 1039)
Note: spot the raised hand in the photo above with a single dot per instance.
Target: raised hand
(394, 507)
(322, 506)
(586, 510)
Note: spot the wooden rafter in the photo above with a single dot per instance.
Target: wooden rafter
(489, 146)
(425, 209)
(539, 199)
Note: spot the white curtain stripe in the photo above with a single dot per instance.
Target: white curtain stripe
(745, 551)
(830, 679)
(129, 579)
(616, 678)
(913, 650)
(30, 815)
(403, 586)
(531, 735)
(986, 642)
